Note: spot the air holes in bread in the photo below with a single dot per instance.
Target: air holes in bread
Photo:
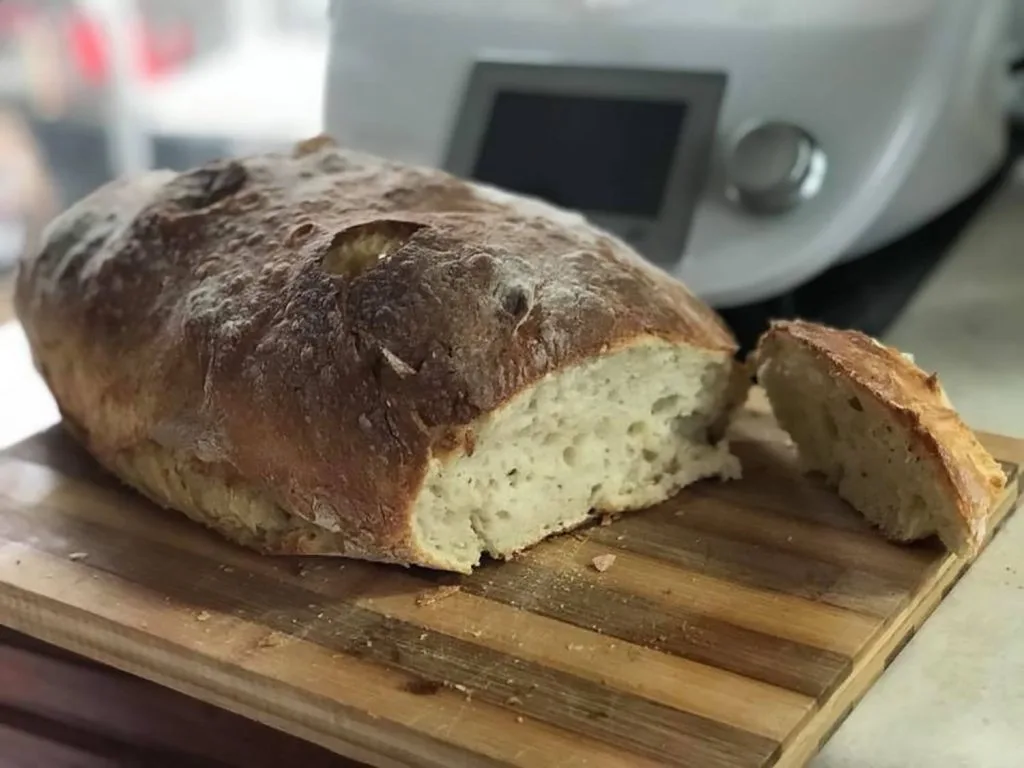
(569, 456)
(301, 233)
(355, 249)
(663, 404)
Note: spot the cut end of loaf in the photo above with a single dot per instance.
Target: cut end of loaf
(878, 449)
(623, 432)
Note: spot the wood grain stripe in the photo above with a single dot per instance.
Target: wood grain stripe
(283, 678)
(855, 551)
(800, 668)
(792, 618)
(753, 564)
(578, 705)
(676, 682)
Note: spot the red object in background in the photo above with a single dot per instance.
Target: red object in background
(157, 51)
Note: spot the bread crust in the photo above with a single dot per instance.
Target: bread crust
(317, 326)
(971, 477)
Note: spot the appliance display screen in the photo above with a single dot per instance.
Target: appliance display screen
(606, 155)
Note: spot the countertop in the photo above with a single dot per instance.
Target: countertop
(954, 697)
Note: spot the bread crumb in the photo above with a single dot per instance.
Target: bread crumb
(203, 616)
(467, 692)
(442, 592)
(602, 563)
(513, 701)
(519, 718)
(76, 556)
(574, 647)
(423, 636)
(269, 641)
(608, 519)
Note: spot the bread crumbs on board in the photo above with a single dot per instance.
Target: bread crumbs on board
(442, 592)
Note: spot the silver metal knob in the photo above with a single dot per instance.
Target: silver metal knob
(774, 167)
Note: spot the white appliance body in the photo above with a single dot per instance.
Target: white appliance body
(905, 101)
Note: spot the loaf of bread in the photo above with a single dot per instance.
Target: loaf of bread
(882, 431)
(328, 353)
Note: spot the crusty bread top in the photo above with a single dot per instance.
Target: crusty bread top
(326, 321)
(973, 477)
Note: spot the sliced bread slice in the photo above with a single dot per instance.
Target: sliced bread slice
(882, 431)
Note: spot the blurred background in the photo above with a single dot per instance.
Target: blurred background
(840, 160)
(92, 89)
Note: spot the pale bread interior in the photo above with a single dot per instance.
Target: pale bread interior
(864, 450)
(621, 432)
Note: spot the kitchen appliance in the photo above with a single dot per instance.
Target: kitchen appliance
(743, 145)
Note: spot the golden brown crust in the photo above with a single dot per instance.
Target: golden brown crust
(972, 477)
(323, 323)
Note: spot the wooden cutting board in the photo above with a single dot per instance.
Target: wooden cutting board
(737, 626)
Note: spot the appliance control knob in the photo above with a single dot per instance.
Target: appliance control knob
(773, 167)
